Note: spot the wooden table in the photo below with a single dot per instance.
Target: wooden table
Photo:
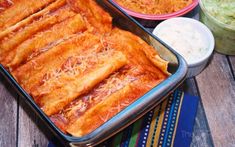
(215, 120)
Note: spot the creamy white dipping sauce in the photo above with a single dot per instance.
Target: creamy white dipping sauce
(185, 39)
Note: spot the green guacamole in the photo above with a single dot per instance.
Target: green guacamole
(219, 16)
(223, 10)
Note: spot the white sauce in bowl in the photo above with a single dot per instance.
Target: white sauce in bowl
(185, 38)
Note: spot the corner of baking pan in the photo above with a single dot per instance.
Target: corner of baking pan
(138, 29)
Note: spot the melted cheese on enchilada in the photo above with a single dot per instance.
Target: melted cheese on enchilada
(77, 67)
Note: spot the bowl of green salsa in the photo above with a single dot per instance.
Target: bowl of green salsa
(219, 16)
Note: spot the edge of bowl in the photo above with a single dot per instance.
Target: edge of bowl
(161, 16)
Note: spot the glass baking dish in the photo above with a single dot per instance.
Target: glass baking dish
(177, 67)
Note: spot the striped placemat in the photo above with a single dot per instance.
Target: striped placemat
(169, 124)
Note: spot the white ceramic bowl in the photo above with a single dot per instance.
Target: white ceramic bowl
(178, 25)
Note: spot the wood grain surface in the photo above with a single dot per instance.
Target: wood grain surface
(217, 89)
(8, 114)
(232, 65)
(30, 128)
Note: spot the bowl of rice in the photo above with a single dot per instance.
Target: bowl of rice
(148, 12)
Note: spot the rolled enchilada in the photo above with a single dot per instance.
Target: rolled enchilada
(79, 68)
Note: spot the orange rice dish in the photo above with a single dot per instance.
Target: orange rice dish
(154, 6)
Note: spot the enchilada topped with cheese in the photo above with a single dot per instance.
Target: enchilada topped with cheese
(79, 68)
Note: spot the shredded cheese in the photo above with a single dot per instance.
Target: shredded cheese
(104, 118)
(10, 2)
(76, 65)
(35, 65)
